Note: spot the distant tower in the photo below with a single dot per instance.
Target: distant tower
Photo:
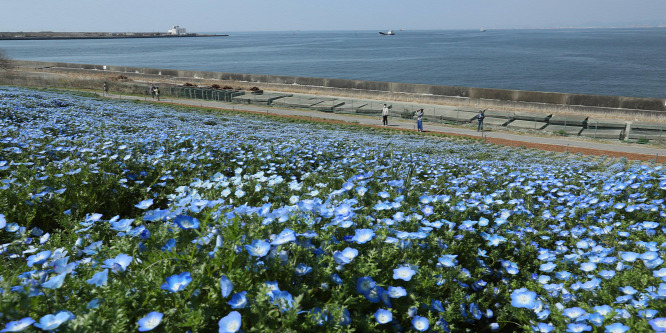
(177, 30)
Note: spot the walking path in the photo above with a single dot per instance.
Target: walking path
(550, 143)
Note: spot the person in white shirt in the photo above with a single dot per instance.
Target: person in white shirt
(385, 112)
(419, 120)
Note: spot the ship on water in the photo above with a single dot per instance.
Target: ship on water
(388, 33)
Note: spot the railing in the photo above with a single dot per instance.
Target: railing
(205, 94)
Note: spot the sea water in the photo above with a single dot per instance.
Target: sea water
(624, 62)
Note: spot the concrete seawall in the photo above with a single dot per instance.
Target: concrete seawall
(517, 100)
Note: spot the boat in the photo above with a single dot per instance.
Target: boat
(388, 33)
(483, 30)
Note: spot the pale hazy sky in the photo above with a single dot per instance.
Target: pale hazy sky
(290, 15)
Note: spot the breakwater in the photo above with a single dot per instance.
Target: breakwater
(92, 35)
(517, 100)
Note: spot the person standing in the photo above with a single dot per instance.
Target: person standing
(106, 88)
(152, 91)
(385, 112)
(419, 120)
(157, 93)
(480, 118)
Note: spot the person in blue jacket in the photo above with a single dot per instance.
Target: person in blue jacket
(480, 118)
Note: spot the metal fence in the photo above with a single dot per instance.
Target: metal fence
(437, 114)
(205, 94)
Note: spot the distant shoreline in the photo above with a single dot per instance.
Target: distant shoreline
(93, 35)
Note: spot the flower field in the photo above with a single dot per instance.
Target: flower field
(124, 216)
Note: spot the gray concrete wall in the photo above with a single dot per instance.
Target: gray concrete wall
(464, 96)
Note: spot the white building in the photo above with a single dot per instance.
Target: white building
(177, 30)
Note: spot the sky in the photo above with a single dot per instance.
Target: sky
(297, 15)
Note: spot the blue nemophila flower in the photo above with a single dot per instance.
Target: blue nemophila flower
(39, 258)
(18, 325)
(271, 285)
(258, 248)
(420, 323)
(596, 319)
(226, 286)
(170, 245)
(616, 328)
(475, 311)
(573, 313)
(3, 221)
(578, 327)
(629, 256)
(495, 240)
(238, 300)
(397, 292)
(99, 279)
(123, 225)
(603, 310)
(384, 296)
(94, 304)
(346, 318)
(588, 266)
(336, 278)
(510, 267)
(12, 227)
(383, 316)
(363, 235)
(302, 269)
(319, 316)
(150, 321)
(176, 283)
(93, 248)
(231, 323)
(350, 253)
(383, 194)
(44, 238)
(186, 222)
(374, 295)
(448, 260)
(660, 273)
(543, 328)
(658, 324)
(346, 256)
(145, 204)
(282, 299)
(523, 298)
(55, 282)
(364, 285)
(607, 274)
(628, 290)
(51, 322)
(547, 267)
(286, 236)
(403, 273)
(118, 264)
(437, 305)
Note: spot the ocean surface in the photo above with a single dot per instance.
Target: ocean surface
(624, 62)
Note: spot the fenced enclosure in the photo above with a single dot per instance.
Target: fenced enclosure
(558, 124)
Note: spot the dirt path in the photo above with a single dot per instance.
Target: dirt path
(562, 145)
